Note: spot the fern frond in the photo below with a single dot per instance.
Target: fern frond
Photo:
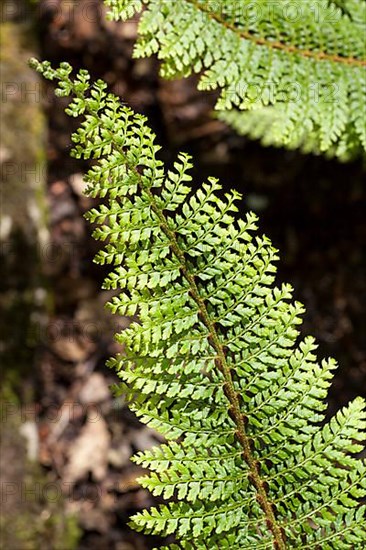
(354, 9)
(214, 362)
(291, 73)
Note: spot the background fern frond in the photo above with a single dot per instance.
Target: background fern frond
(214, 362)
(291, 73)
(355, 9)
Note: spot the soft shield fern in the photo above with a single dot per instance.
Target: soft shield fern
(214, 362)
(291, 73)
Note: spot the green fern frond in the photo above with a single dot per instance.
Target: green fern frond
(214, 362)
(354, 9)
(291, 73)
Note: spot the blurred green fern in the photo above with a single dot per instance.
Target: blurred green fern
(214, 362)
(290, 73)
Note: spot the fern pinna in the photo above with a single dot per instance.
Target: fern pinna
(213, 362)
(290, 73)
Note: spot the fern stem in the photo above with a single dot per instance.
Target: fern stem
(231, 394)
(290, 49)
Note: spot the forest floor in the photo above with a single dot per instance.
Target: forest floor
(313, 209)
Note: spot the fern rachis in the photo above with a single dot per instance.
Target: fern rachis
(214, 363)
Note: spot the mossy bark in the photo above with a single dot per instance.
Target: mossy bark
(23, 226)
(32, 513)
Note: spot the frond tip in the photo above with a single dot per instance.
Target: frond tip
(213, 362)
(290, 73)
